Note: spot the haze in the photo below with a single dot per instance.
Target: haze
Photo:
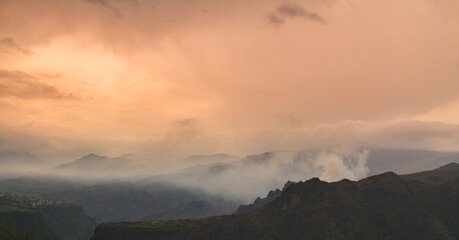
(169, 79)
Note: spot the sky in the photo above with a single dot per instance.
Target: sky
(172, 78)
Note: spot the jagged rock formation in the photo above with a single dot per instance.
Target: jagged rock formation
(260, 202)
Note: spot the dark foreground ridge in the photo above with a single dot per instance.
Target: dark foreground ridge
(46, 222)
(386, 206)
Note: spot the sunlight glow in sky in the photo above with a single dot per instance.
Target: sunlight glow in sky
(171, 78)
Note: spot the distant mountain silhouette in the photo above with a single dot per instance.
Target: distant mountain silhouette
(404, 161)
(132, 156)
(216, 158)
(22, 158)
(93, 161)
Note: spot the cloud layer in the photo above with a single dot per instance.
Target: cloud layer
(174, 78)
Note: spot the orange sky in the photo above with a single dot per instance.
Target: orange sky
(179, 77)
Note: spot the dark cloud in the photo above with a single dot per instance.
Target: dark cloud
(188, 122)
(106, 5)
(292, 10)
(22, 85)
(274, 19)
(12, 46)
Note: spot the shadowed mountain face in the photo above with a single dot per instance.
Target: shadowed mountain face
(260, 202)
(385, 206)
(128, 202)
(195, 209)
(50, 222)
(444, 174)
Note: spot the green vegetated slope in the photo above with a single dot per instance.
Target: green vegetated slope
(385, 206)
(47, 223)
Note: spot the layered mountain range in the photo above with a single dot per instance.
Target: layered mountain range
(385, 206)
(212, 185)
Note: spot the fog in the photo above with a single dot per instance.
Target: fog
(256, 175)
(230, 177)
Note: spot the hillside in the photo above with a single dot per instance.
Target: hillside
(128, 202)
(444, 174)
(195, 209)
(92, 162)
(44, 222)
(386, 206)
(260, 202)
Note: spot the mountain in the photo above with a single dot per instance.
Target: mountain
(93, 167)
(34, 184)
(194, 209)
(21, 158)
(121, 200)
(444, 174)
(260, 202)
(385, 206)
(124, 201)
(128, 202)
(223, 186)
(45, 221)
(216, 158)
(269, 156)
(92, 162)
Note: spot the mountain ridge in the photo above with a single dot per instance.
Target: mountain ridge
(385, 206)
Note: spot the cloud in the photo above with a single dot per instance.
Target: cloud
(11, 45)
(22, 85)
(256, 88)
(274, 19)
(188, 122)
(257, 174)
(292, 10)
(399, 134)
(106, 5)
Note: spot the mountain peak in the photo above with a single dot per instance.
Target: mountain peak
(287, 184)
(449, 166)
(91, 155)
(383, 177)
(313, 180)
